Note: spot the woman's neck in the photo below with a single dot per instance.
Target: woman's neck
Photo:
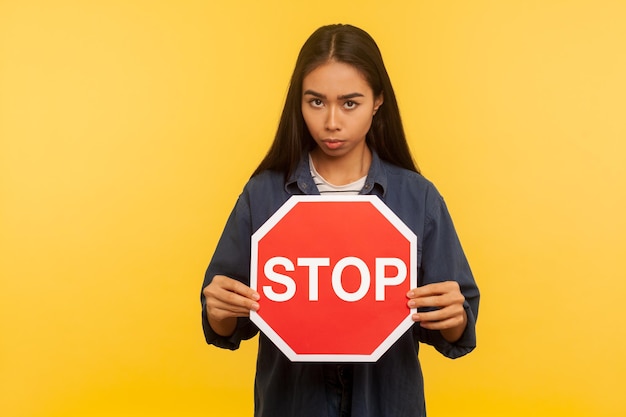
(344, 169)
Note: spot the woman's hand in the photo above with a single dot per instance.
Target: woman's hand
(447, 314)
(227, 299)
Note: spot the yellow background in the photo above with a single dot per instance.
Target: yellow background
(128, 128)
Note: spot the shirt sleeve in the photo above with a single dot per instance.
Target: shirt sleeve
(443, 259)
(232, 259)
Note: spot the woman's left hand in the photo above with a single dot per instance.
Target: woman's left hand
(444, 302)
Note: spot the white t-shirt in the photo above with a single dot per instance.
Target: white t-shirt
(325, 187)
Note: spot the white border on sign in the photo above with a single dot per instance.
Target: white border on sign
(405, 325)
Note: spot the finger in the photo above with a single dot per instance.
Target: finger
(436, 288)
(437, 301)
(240, 301)
(235, 286)
(220, 313)
(237, 305)
(230, 301)
(442, 325)
(230, 291)
(221, 295)
(450, 315)
(218, 309)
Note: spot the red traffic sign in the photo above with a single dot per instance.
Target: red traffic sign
(333, 273)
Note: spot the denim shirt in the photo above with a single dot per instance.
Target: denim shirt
(392, 386)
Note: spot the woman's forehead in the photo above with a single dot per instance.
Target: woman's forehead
(336, 78)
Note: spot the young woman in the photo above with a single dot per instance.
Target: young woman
(340, 132)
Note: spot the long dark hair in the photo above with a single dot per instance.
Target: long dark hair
(353, 46)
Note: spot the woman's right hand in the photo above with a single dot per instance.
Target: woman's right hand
(227, 299)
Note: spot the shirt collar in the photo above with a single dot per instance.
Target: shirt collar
(301, 182)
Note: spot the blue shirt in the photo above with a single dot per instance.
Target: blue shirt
(392, 386)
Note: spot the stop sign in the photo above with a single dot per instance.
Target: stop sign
(333, 273)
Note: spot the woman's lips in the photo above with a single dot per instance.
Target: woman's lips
(332, 143)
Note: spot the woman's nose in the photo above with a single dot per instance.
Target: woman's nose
(332, 119)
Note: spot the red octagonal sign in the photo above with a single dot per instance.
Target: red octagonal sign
(333, 273)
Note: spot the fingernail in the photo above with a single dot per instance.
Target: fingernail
(255, 307)
(256, 296)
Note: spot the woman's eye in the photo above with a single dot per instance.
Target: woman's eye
(350, 104)
(316, 102)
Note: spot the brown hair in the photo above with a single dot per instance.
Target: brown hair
(353, 46)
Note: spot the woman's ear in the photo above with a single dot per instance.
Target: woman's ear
(378, 102)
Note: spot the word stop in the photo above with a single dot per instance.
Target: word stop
(314, 265)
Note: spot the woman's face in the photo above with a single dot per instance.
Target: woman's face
(338, 106)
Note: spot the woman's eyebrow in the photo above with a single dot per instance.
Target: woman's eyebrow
(349, 96)
(341, 97)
